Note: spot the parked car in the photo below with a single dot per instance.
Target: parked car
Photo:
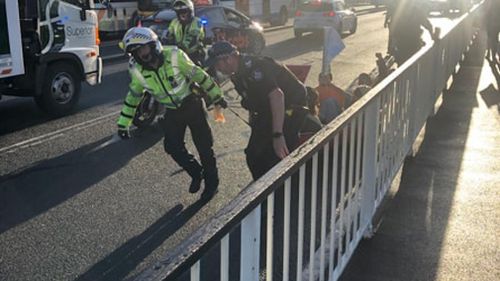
(314, 15)
(221, 23)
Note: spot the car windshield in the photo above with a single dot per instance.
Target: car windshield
(212, 16)
(167, 14)
(316, 5)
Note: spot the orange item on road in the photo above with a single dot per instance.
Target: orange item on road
(218, 115)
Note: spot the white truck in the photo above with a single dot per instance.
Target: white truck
(47, 48)
(275, 12)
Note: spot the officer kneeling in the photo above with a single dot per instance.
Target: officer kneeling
(168, 74)
(275, 98)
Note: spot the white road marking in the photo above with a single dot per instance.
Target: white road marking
(52, 135)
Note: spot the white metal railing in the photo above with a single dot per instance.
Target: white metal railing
(305, 217)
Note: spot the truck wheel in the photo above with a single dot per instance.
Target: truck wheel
(60, 90)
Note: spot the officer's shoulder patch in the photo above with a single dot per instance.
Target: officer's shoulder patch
(257, 75)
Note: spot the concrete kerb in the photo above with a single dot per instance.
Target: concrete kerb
(275, 28)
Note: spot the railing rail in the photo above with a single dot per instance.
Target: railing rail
(305, 217)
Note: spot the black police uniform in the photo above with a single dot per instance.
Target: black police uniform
(255, 79)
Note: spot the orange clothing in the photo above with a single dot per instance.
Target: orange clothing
(329, 91)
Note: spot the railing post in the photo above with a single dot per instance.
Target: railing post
(369, 162)
(250, 246)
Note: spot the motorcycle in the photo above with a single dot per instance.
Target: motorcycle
(149, 107)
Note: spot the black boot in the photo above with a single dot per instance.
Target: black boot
(211, 183)
(195, 184)
(195, 171)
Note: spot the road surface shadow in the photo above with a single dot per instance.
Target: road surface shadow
(117, 265)
(409, 242)
(293, 47)
(48, 183)
(22, 113)
(491, 95)
(209, 262)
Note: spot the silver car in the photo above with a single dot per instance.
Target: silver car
(314, 15)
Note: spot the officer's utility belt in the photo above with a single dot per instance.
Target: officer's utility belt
(185, 101)
(288, 112)
(296, 109)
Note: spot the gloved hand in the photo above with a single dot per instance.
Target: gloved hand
(124, 134)
(222, 103)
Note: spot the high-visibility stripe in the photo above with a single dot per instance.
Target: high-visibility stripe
(126, 115)
(211, 87)
(134, 93)
(193, 73)
(161, 96)
(205, 78)
(128, 110)
(181, 90)
(129, 105)
(138, 75)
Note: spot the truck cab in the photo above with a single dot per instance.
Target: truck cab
(51, 47)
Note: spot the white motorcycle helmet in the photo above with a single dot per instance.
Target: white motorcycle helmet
(180, 6)
(137, 37)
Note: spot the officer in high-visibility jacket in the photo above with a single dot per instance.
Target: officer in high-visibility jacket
(169, 75)
(187, 32)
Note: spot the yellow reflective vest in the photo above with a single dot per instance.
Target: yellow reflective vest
(190, 37)
(169, 84)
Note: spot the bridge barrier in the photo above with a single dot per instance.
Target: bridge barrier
(304, 218)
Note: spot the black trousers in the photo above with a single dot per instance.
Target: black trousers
(260, 153)
(198, 57)
(405, 47)
(191, 114)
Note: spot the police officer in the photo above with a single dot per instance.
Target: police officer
(187, 32)
(405, 29)
(275, 99)
(168, 74)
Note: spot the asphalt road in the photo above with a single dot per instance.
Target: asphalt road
(76, 205)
